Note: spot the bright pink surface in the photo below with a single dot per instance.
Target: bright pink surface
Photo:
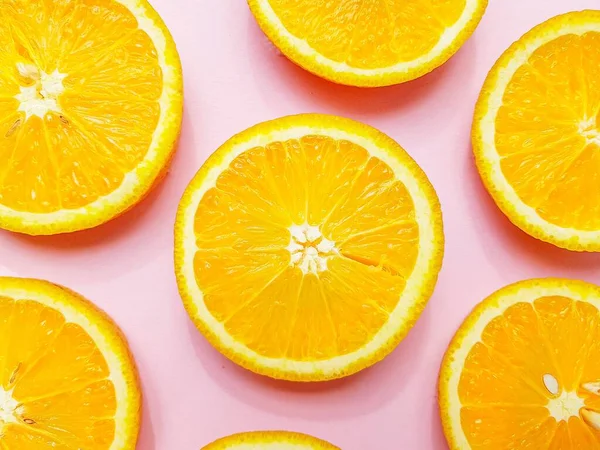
(234, 79)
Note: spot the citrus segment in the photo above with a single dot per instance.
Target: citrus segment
(522, 370)
(82, 146)
(269, 440)
(536, 132)
(66, 377)
(368, 42)
(306, 247)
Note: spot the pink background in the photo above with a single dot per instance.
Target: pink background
(234, 78)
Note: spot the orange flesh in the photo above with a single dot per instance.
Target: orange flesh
(58, 378)
(106, 112)
(502, 390)
(245, 270)
(369, 34)
(548, 131)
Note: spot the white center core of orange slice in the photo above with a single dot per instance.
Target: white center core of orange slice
(308, 248)
(590, 131)
(566, 405)
(40, 97)
(8, 406)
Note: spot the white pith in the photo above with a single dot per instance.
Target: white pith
(41, 96)
(8, 407)
(567, 405)
(309, 250)
(590, 131)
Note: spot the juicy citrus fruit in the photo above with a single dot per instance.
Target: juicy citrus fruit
(523, 371)
(306, 247)
(67, 379)
(536, 133)
(368, 42)
(90, 109)
(270, 440)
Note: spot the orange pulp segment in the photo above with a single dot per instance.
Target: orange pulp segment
(304, 245)
(523, 370)
(82, 90)
(57, 389)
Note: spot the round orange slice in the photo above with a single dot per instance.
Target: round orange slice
(307, 247)
(270, 440)
(536, 133)
(67, 378)
(90, 109)
(523, 371)
(368, 42)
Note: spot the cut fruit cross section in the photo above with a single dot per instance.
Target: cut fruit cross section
(67, 378)
(536, 132)
(523, 370)
(306, 247)
(270, 440)
(90, 109)
(368, 42)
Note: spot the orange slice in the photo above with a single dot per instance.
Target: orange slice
(67, 379)
(270, 440)
(523, 371)
(536, 133)
(90, 109)
(368, 42)
(307, 247)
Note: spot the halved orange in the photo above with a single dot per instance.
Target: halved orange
(90, 109)
(67, 378)
(368, 42)
(306, 247)
(536, 133)
(523, 371)
(270, 440)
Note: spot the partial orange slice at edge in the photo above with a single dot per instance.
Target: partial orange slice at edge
(90, 109)
(523, 370)
(270, 440)
(536, 132)
(368, 42)
(67, 378)
(306, 247)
